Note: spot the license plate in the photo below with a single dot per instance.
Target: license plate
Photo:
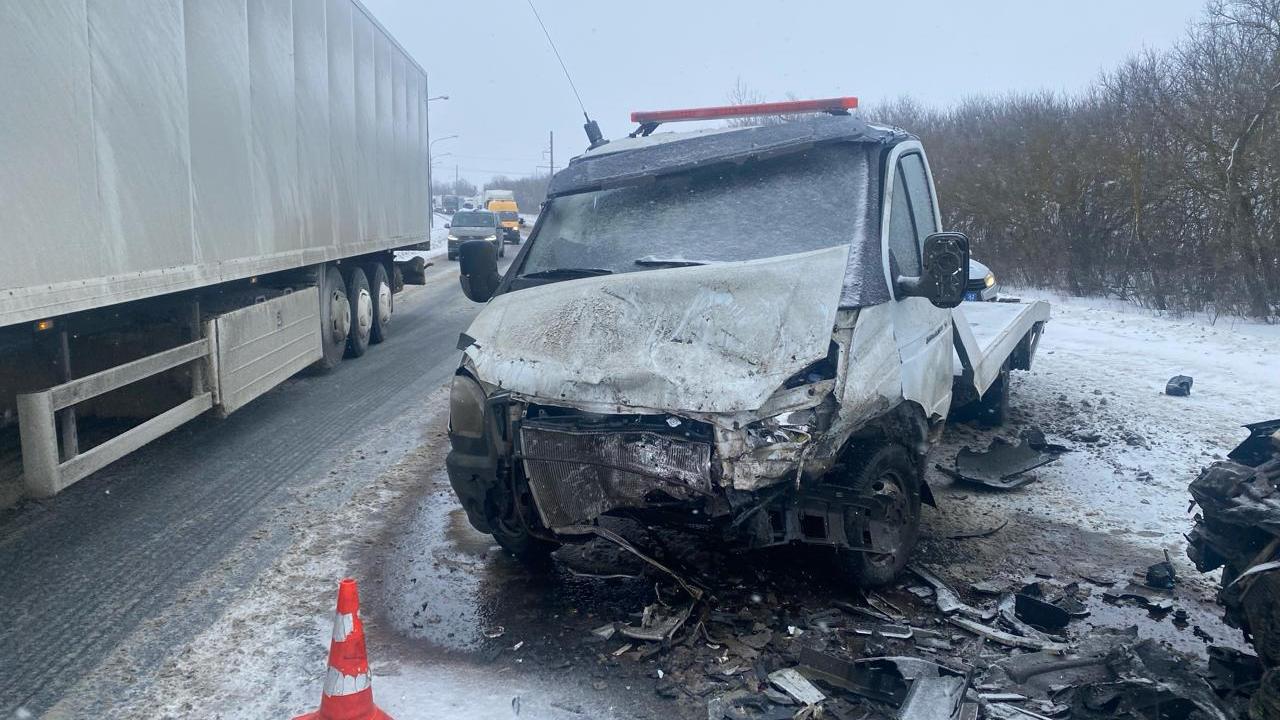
(971, 295)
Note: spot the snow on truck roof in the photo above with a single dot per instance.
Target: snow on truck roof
(631, 159)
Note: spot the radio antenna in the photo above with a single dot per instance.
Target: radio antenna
(594, 136)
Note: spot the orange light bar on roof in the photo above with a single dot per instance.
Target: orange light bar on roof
(841, 105)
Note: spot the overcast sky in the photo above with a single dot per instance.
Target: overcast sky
(506, 90)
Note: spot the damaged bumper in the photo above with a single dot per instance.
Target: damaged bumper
(578, 473)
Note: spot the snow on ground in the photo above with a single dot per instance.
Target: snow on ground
(1107, 508)
(1111, 506)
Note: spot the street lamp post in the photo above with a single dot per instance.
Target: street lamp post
(431, 213)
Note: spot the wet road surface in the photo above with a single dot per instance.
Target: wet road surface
(154, 542)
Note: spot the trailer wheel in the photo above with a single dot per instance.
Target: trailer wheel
(886, 474)
(361, 312)
(335, 318)
(381, 292)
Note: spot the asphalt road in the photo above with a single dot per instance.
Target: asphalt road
(148, 551)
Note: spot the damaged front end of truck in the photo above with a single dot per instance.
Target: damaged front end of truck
(640, 360)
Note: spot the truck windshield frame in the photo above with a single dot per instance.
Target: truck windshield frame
(722, 213)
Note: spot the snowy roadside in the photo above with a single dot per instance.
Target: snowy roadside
(266, 656)
(1119, 499)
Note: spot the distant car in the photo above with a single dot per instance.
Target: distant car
(982, 283)
(475, 225)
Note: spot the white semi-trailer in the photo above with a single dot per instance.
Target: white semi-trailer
(197, 200)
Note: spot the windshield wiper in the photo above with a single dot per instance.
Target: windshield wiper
(567, 272)
(669, 262)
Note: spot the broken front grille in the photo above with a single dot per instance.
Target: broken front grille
(576, 475)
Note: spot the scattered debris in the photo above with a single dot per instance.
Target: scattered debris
(1040, 614)
(1152, 601)
(1162, 575)
(1003, 465)
(797, 686)
(979, 533)
(495, 632)
(1178, 385)
(933, 698)
(658, 623)
(1036, 440)
(605, 631)
(946, 599)
(1004, 638)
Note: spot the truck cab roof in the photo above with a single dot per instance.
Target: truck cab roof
(632, 160)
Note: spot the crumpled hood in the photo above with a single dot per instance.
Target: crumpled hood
(712, 338)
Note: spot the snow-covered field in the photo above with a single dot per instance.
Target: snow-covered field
(1108, 507)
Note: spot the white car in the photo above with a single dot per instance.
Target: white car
(982, 283)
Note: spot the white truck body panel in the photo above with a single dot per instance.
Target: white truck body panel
(986, 334)
(260, 346)
(153, 147)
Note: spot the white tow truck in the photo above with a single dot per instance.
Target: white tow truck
(754, 332)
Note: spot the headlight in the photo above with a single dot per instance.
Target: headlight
(453, 237)
(491, 237)
(989, 280)
(466, 407)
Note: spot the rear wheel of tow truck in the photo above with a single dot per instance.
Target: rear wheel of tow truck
(380, 291)
(887, 474)
(361, 301)
(335, 318)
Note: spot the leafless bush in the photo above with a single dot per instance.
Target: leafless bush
(1161, 184)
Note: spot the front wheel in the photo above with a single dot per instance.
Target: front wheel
(887, 476)
(512, 533)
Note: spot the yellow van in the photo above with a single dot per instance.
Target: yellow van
(509, 215)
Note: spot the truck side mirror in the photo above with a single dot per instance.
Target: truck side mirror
(446, 226)
(946, 271)
(478, 269)
(521, 221)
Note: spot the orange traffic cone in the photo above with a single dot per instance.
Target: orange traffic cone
(348, 693)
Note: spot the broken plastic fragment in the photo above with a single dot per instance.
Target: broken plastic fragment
(1003, 465)
(797, 686)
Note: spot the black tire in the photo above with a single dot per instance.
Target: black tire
(513, 534)
(993, 408)
(529, 550)
(335, 318)
(452, 256)
(889, 472)
(361, 312)
(382, 292)
(502, 249)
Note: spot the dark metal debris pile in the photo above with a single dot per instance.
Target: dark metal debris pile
(1238, 530)
(752, 648)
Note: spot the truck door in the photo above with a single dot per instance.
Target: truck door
(921, 330)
